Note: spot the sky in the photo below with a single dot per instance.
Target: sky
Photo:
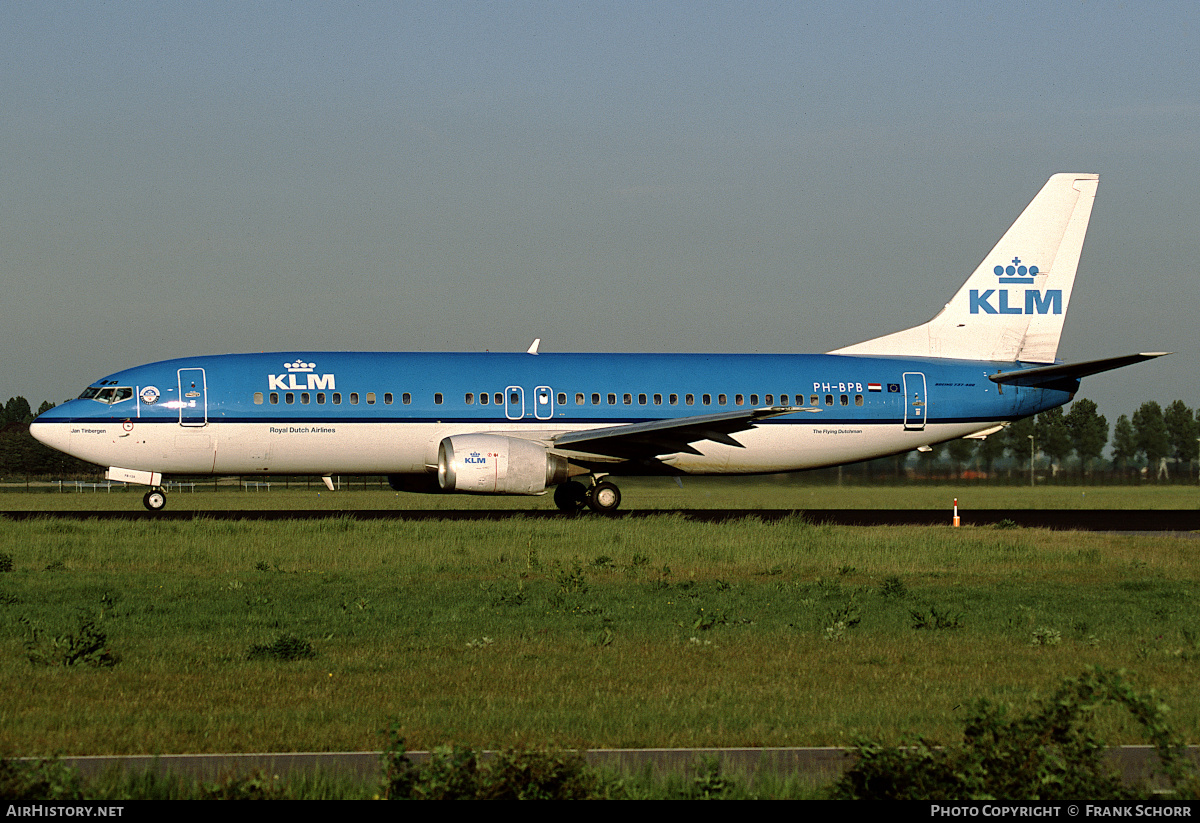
(188, 178)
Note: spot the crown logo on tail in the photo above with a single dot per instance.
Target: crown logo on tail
(1016, 273)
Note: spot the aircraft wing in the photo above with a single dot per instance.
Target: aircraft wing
(644, 440)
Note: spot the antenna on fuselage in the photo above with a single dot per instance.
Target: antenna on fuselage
(533, 347)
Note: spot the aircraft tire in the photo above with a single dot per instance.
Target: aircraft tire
(604, 497)
(571, 496)
(155, 500)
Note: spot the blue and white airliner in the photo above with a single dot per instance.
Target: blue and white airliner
(521, 423)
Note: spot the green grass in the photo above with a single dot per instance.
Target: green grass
(773, 492)
(569, 633)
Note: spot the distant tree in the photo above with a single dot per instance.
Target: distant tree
(991, 449)
(17, 410)
(1016, 438)
(1150, 431)
(1088, 430)
(1124, 447)
(1182, 431)
(960, 452)
(1052, 435)
(45, 407)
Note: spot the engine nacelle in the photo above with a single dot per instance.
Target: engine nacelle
(494, 464)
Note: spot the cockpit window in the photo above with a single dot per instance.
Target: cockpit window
(107, 394)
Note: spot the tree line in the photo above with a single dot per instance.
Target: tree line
(22, 457)
(1156, 442)
(1160, 443)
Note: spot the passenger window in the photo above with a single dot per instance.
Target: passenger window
(739, 400)
(562, 398)
(858, 401)
(641, 399)
(580, 399)
(370, 398)
(612, 399)
(353, 398)
(812, 400)
(258, 398)
(595, 398)
(483, 398)
(783, 400)
(406, 399)
(754, 400)
(658, 399)
(469, 398)
(673, 400)
(829, 400)
(706, 399)
(437, 398)
(388, 398)
(289, 398)
(274, 398)
(845, 400)
(689, 399)
(320, 398)
(721, 400)
(305, 397)
(499, 398)
(337, 398)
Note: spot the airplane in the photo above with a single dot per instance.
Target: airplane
(523, 423)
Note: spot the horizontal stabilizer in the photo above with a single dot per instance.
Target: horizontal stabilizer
(1050, 377)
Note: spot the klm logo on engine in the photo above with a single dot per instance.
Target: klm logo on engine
(300, 375)
(476, 458)
(1009, 301)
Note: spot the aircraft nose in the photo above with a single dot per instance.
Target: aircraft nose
(53, 428)
(54, 435)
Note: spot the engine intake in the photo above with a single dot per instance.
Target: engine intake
(494, 464)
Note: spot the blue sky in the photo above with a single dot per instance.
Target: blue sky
(184, 178)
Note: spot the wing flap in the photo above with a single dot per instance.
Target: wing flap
(668, 436)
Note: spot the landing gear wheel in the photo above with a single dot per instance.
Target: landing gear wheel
(154, 500)
(604, 497)
(571, 496)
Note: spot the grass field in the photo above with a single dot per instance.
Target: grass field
(152, 636)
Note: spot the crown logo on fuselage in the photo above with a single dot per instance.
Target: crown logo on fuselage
(288, 382)
(1016, 273)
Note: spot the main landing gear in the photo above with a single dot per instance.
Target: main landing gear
(601, 497)
(155, 500)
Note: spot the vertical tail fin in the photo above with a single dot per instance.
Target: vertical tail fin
(1013, 306)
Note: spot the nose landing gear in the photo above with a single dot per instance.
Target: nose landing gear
(155, 500)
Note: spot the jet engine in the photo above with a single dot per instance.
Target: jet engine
(495, 464)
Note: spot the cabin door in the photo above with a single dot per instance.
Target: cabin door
(193, 398)
(915, 407)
